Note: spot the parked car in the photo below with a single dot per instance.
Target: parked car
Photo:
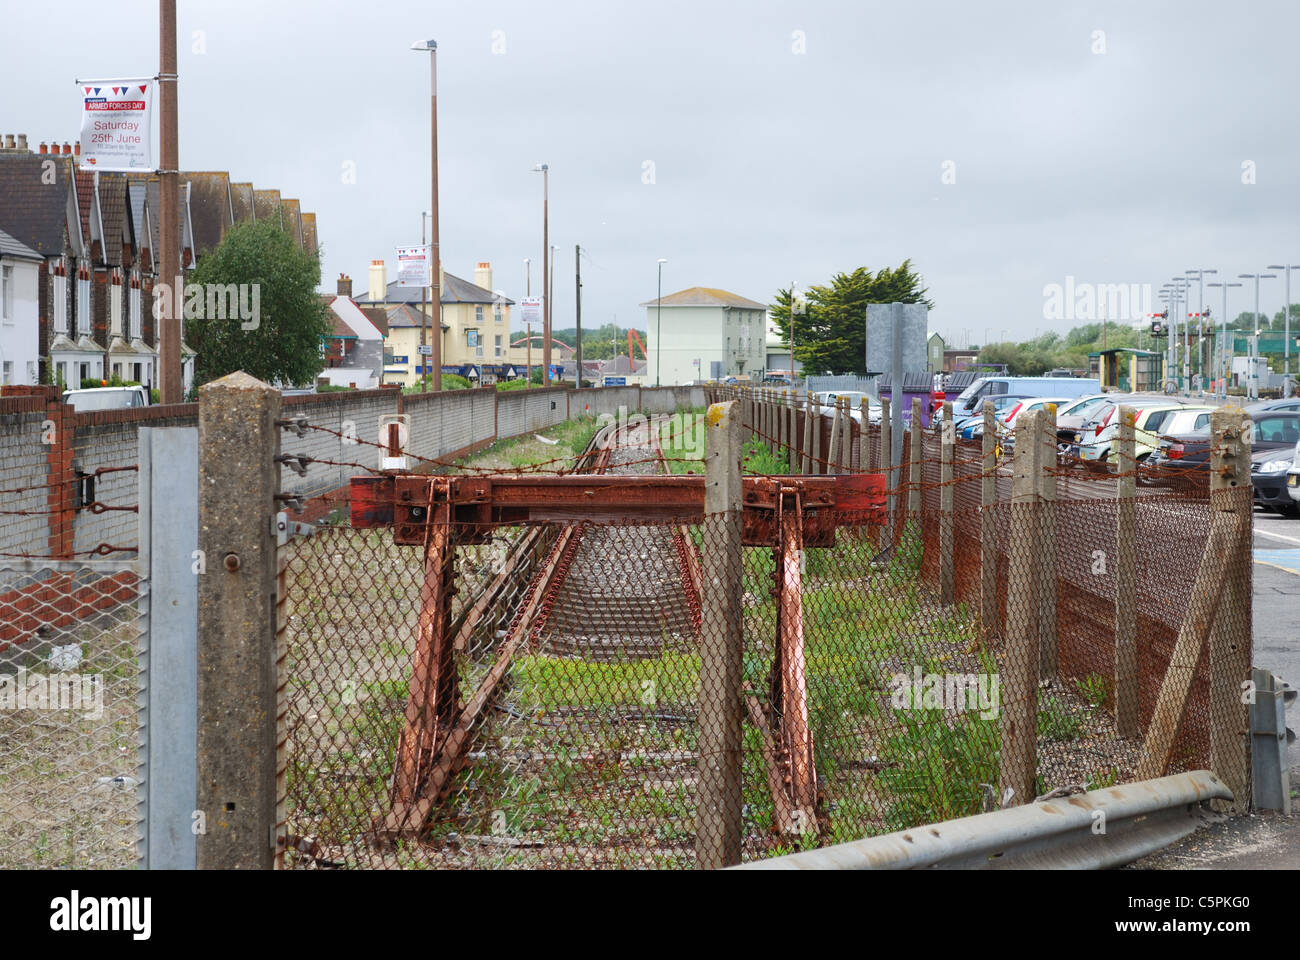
(1293, 476)
(1270, 405)
(971, 427)
(776, 381)
(969, 401)
(1268, 477)
(1153, 418)
(827, 400)
(1181, 459)
(107, 398)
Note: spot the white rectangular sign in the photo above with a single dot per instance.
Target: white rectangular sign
(115, 117)
(413, 266)
(424, 349)
(531, 307)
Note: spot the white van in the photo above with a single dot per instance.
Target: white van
(969, 401)
(107, 398)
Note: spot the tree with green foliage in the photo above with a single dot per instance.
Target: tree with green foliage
(828, 327)
(282, 342)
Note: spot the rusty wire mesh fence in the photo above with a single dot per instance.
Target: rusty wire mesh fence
(962, 656)
(70, 639)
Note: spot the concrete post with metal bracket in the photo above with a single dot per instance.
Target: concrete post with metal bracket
(718, 799)
(239, 441)
(1126, 655)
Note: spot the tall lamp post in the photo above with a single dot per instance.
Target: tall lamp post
(1254, 340)
(1224, 364)
(1200, 289)
(545, 170)
(1180, 305)
(1286, 325)
(434, 360)
(659, 325)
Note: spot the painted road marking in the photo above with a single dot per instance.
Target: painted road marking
(1276, 536)
(1288, 560)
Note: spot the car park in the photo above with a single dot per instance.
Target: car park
(1182, 459)
(826, 400)
(1154, 416)
(970, 401)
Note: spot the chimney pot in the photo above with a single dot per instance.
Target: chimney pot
(9, 141)
(22, 142)
(45, 147)
(76, 148)
(67, 149)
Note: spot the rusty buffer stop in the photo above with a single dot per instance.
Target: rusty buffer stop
(440, 513)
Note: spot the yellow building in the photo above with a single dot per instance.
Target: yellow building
(476, 333)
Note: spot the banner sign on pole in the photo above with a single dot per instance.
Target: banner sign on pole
(532, 310)
(413, 266)
(115, 118)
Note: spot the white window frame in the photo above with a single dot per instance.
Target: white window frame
(133, 313)
(60, 303)
(115, 306)
(83, 304)
(6, 292)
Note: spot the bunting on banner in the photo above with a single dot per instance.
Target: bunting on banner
(115, 125)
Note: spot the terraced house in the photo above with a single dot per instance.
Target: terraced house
(79, 261)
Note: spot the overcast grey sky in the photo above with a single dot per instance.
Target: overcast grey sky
(770, 165)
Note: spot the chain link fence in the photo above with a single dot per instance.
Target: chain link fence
(538, 694)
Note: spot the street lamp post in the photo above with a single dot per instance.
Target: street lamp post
(528, 292)
(1224, 364)
(1200, 288)
(545, 170)
(1254, 341)
(434, 359)
(659, 325)
(1286, 326)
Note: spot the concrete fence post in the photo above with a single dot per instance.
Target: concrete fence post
(866, 449)
(237, 701)
(989, 619)
(1047, 632)
(1230, 639)
(718, 808)
(887, 464)
(1020, 663)
(1127, 722)
(817, 466)
(833, 448)
(807, 433)
(947, 547)
(914, 459)
(846, 437)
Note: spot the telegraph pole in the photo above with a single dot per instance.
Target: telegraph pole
(169, 268)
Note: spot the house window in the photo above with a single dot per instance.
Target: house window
(9, 371)
(115, 306)
(7, 295)
(135, 373)
(133, 312)
(84, 372)
(498, 343)
(496, 313)
(60, 301)
(478, 314)
(83, 302)
(117, 370)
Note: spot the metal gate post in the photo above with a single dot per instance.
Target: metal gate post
(170, 568)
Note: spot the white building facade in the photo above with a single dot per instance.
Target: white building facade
(705, 334)
(20, 269)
